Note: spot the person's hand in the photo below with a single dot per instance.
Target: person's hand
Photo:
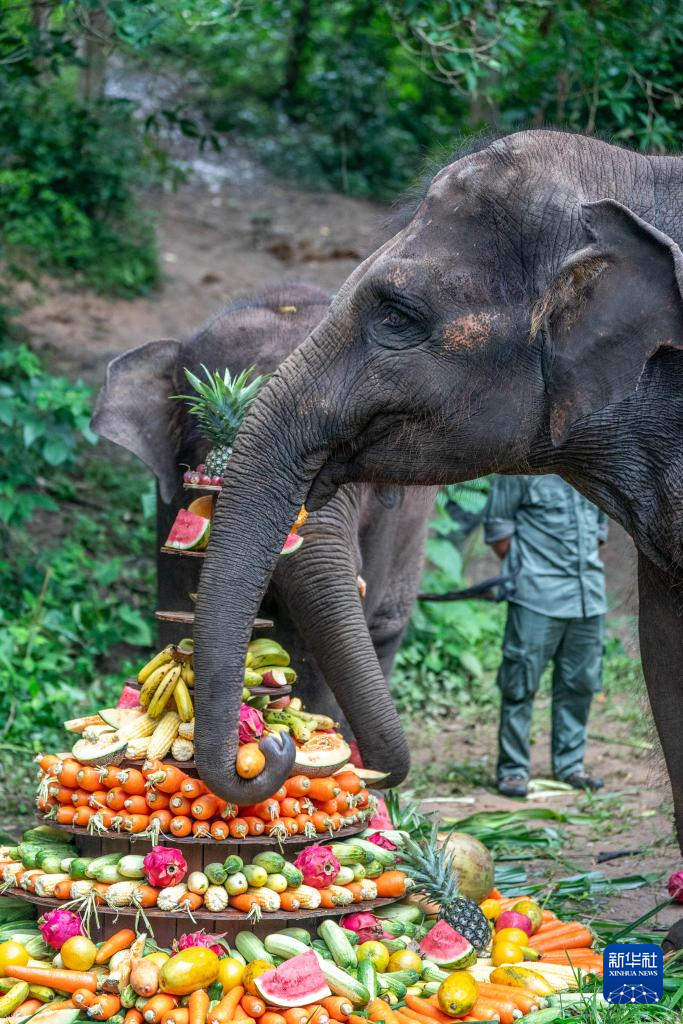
(501, 547)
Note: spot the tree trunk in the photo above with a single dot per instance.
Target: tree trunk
(97, 44)
(296, 51)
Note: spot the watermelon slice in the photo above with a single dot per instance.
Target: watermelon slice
(296, 982)
(129, 698)
(447, 948)
(292, 544)
(189, 532)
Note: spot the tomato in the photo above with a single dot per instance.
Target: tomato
(230, 972)
(12, 954)
(78, 953)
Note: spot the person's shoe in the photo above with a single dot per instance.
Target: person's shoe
(513, 785)
(582, 780)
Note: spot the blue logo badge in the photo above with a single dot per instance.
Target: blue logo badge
(633, 973)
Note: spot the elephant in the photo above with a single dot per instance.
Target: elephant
(527, 318)
(341, 646)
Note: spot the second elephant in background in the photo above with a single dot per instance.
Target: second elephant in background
(341, 645)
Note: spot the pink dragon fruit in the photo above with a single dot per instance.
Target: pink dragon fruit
(59, 925)
(199, 939)
(365, 925)
(676, 887)
(380, 818)
(318, 865)
(379, 840)
(251, 724)
(164, 865)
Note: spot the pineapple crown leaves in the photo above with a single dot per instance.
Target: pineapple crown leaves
(220, 403)
(430, 865)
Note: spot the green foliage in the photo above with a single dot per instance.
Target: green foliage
(75, 575)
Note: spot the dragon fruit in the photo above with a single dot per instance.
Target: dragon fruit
(199, 939)
(251, 724)
(676, 887)
(164, 865)
(379, 840)
(380, 818)
(318, 865)
(59, 925)
(365, 925)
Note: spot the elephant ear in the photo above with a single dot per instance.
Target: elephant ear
(612, 305)
(134, 408)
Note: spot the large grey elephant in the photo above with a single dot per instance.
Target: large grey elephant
(527, 319)
(341, 646)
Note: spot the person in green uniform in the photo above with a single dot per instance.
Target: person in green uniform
(548, 537)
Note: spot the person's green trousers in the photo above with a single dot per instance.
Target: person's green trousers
(532, 640)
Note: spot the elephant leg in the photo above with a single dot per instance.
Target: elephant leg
(661, 645)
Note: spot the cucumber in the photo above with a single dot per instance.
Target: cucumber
(351, 936)
(387, 984)
(342, 984)
(407, 977)
(255, 875)
(78, 867)
(358, 872)
(252, 948)
(65, 863)
(109, 873)
(393, 945)
(348, 853)
(403, 912)
(373, 868)
(132, 865)
(432, 972)
(99, 862)
(547, 1016)
(43, 834)
(280, 944)
(271, 861)
(367, 975)
(344, 876)
(430, 988)
(342, 951)
(294, 877)
(128, 997)
(217, 874)
(387, 858)
(298, 933)
(232, 864)
(393, 928)
(51, 864)
(322, 949)
(236, 955)
(215, 991)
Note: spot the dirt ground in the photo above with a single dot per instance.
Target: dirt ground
(220, 241)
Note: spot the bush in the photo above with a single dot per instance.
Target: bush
(75, 575)
(67, 176)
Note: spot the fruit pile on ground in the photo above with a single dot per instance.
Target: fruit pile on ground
(394, 969)
(337, 874)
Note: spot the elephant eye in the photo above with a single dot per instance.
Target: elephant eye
(394, 319)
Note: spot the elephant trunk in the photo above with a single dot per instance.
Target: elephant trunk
(323, 599)
(267, 482)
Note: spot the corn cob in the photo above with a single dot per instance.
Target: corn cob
(341, 897)
(308, 897)
(264, 898)
(45, 886)
(183, 701)
(182, 750)
(368, 889)
(121, 894)
(142, 726)
(186, 730)
(81, 888)
(164, 692)
(170, 897)
(215, 898)
(138, 748)
(163, 735)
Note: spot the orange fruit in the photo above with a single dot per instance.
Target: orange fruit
(506, 953)
(78, 953)
(12, 954)
(230, 973)
(516, 935)
(405, 960)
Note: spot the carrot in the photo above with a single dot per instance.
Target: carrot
(204, 807)
(245, 902)
(434, 1003)
(323, 789)
(289, 807)
(134, 1016)
(483, 1012)
(198, 1006)
(271, 1017)
(98, 799)
(349, 782)
(295, 1014)
(425, 1008)
(109, 776)
(580, 938)
(82, 816)
(164, 777)
(62, 794)
(523, 1000)
(240, 1017)
(266, 809)
(80, 798)
(62, 890)
(355, 889)
(64, 981)
(253, 1006)
(60, 1004)
(164, 818)
(135, 823)
(289, 902)
(329, 806)
(255, 826)
(47, 761)
(180, 826)
(132, 781)
(290, 825)
(157, 1006)
(65, 815)
(378, 1010)
(157, 801)
(298, 786)
(224, 1010)
(88, 778)
(339, 1007)
(179, 804)
(116, 798)
(83, 997)
(191, 901)
(136, 805)
(122, 939)
(193, 788)
(201, 829)
(100, 889)
(180, 1015)
(219, 830)
(67, 772)
(321, 821)
(363, 800)
(504, 1009)
(391, 883)
(26, 1009)
(238, 828)
(553, 927)
(147, 895)
(328, 898)
(104, 1007)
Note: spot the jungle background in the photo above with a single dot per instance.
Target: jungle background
(160, 158)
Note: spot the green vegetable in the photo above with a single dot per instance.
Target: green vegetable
(342, 951)
(270, 861)
(252, 948)
(367, 975)
(217, 873)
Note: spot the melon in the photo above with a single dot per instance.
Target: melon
(322, 755)
(120, 718)
(447, 948)
(108, 751)
(202, 506)
(296, 982)
(189, 532)
(473, 864)
(369, 775)
(292, 544)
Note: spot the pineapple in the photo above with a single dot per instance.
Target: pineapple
(220, 404)
(430, 866)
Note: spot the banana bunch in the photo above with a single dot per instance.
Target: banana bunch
(267, 664)
(169, 674)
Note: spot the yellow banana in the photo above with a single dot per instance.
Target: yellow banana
(150, 685)
(163, 692)
(159, 659)
(187, 673)
(183, 701)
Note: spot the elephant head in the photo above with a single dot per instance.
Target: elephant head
(319, 613)
(502, 329)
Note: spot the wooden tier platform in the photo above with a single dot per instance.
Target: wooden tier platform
(256, 691)
(187, 618)
(168, 926)
(209, 488)
(184, 554)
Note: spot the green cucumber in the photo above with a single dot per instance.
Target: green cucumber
(373, 868)
(367, 975)
(78, 867)
(344, 876)
(432, 972)
(99, 862)
(65, 863)
(393, 928)
(232, 864)
(407, 977)
(109, 873)
(297, 933)
(342, 951)
(351, 936)
(128, 997)
(44, 834)
(294, 877)
(322, 949)
(51, 864)
(215, 991)
(348, 853)
(403, 912)
(287, 946)
(343, 984)
(271, 861)
(387, 858)
(132, 865)
(358, 872)
(387, 984)
(430, 988)
(217, 874)
(547, 1016)
(252, 948)
(393, 945)
(236, 955)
